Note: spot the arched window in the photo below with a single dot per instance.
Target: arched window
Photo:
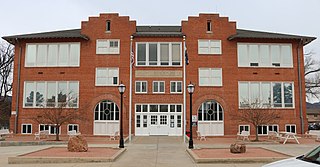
(106, 110)
(210, 111)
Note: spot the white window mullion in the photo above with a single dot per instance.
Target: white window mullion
(170, 54)
(282, 94)
(147, 54)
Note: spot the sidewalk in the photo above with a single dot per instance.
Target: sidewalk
(156, 151)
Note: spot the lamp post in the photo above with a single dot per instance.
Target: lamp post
(190, 90)
(121, 88)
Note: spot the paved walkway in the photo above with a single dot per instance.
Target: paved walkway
(153, 151)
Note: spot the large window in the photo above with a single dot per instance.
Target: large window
(107, 76)
(106, 110)
(51, 93)
(159, 54)
(108, 46)
(158, 87)
(210, 77)
(141, 87)
(53, 55)
(210, 111)
(264, 55)
(266, 94)
(209, 46)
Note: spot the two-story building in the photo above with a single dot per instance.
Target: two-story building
(230, 68)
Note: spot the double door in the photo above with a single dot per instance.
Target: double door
(159, 124)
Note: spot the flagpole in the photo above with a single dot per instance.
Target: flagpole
(184, 89)
(130, 93)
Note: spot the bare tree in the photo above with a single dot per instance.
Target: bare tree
(58, 114)
(6, 68)
(312, 76)
(257, 114)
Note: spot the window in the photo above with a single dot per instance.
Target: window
(138, 121)
(210, 77)
(244, 128)
(26, 129)
(209, 26)
(107, 76)
(108, 46)
(158, 87)
(72, 127)
(51, 93)
(159, 54)
(108, 25)
(291, 128)
(106, 110)
(274, 128)
(141, 86)
(53, 55)
(210, 111)
(267, 94)
(172, 108)
(51, 128)
(264, 129)
(264, 55)
(209, 47)
(176, 87)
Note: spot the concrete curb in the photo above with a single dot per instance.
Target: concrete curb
(31, 143)
(197, 159)
(40, 160)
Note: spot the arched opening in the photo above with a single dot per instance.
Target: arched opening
(210, 118)
(106, 118)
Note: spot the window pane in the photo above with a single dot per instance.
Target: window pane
(163, 108)
(264, 56)
(51, 94)
(179, 86)
(266, 94)
(203, 46)
(42, 55)
(138, 86)
(155, 87)
(286, 56)
(161, 87)
(31, 55)
(63, 54)
(253, 53)
(244, 94)
(74, 54)
(153, 54)
(243, 57)
(288, 95)
(53, 55)
(73, 94)
(275, 53)
(254, 89)
(40, 94)
(173, 87)
(179, 107)
(141, 54)
(176, 54)
(153, 108)
(29, 94)
(144, 87)
(164, 54)
(277, 101)
(62, 92)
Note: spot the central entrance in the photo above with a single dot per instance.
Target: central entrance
(158, 119)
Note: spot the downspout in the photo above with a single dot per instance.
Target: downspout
(300, 86)
(18, 89)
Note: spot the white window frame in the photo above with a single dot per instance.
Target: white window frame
(46, 64)
(213, 78)
(244, 125)
(164, 87)
(210, 49)
(176, 87)
(26, 128)
(141, 92)
(45, 93)
(295, 126)
(271, 93)
(73, 125)
(50, 126)
(270, 56)
(158, 54)
(108, 69)
(108, 48)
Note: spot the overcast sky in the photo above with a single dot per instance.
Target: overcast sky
(299, 17)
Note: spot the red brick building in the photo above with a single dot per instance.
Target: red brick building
(231, 68)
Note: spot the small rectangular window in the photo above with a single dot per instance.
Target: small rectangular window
(26, 129)
(175, 87)
(158, 87)
(209, 26)
(108, 46)
(107, 76)
(244, 128)
(108, 25)
(141, 86)
(72, 127)
(210, 77)
(291, 128)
